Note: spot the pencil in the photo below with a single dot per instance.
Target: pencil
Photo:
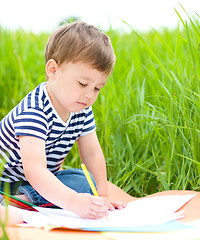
(18, 200)
(87, 175)
(21, 204)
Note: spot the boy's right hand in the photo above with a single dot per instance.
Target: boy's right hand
(88, 206)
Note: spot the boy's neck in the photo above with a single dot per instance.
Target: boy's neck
(64, 116)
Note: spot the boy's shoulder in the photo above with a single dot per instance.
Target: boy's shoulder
(35, 99)
(35, 103)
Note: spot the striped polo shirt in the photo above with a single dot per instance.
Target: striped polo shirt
(36, 116)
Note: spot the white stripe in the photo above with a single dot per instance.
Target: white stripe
(52, 163)
(33, 98)
(3, 156)
(5, 179)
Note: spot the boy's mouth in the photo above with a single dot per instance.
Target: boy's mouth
(81, 103)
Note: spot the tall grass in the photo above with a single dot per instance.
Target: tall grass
(147, 115)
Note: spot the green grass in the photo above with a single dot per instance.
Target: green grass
(147, 115)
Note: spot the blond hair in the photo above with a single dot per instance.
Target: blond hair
(80, 41)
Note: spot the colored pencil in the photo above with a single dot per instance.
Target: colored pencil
(24, 206)
(18, 201)
(87, 175)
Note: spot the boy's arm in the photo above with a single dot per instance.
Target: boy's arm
(92, 155)
(33, 156)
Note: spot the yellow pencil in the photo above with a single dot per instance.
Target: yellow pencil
(87, 175)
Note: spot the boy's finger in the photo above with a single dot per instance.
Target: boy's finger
(100, 209)
(98, 201)
(98, 214)
(119, 205)
(110, 207)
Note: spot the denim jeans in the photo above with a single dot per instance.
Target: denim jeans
(72, 178)
(2, 200)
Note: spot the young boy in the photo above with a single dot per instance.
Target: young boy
(38, 133)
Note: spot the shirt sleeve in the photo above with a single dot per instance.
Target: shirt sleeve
(89, 122)
(31, 122)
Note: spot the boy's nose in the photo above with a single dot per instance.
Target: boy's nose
(89, 94)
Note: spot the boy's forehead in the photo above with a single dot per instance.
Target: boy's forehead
(85, 72)
(88, 73)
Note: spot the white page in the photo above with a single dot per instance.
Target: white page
(150, 211)
(38, 219)
(142, 212)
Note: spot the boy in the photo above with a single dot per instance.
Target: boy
(38, 133)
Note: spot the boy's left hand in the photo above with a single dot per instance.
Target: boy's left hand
(114, 205)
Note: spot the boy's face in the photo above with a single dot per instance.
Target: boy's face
(73, 86)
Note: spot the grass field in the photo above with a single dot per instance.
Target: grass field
(147, 115)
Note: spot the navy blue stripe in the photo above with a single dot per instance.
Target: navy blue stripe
(89, 121)
(57, 132)
(30, 113)
(36, 97)
(17, 109)
(88, 114)
(88, 129)
(29, 128)
(29, 99)
(78, 115)
(43, 98)
(57, 124)
(48, 111)
(56, 152)
(12, 116)
(73, 124)
(30, 120)
(64, 138)
(69, 138)
(22, 105)
(75, 131)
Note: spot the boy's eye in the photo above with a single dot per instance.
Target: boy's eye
(98, 89)
(83, 84)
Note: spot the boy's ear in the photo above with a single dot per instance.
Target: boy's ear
(51, 68)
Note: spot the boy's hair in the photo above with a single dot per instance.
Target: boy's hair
(80, 41)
